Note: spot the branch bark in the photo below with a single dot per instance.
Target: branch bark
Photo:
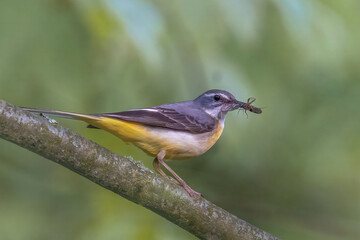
(122, 175)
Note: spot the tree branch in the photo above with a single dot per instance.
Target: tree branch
(122, 175)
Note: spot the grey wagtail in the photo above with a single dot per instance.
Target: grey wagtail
(172, 131)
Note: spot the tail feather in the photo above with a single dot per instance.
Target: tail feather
(62, 114)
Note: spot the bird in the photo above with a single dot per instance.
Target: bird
(170, 131)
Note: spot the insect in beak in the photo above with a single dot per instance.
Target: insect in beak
(248, 107)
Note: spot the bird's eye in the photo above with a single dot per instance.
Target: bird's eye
(216, 97)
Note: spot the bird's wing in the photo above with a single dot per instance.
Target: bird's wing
(166, 117)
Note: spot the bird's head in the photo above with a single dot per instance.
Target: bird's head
(218, 102)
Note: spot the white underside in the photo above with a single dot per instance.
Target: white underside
(188, 144)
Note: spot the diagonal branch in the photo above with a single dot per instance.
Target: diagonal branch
(122, 175)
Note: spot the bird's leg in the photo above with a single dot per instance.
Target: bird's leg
(160, 159)
(157, 167)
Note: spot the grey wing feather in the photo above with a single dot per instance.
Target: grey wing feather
(182, 116)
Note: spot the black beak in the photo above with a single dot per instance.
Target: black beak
(237, 104)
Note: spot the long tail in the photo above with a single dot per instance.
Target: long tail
(70, 115)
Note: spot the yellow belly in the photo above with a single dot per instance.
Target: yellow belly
(177, 144)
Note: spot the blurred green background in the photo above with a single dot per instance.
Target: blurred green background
(292, 171)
